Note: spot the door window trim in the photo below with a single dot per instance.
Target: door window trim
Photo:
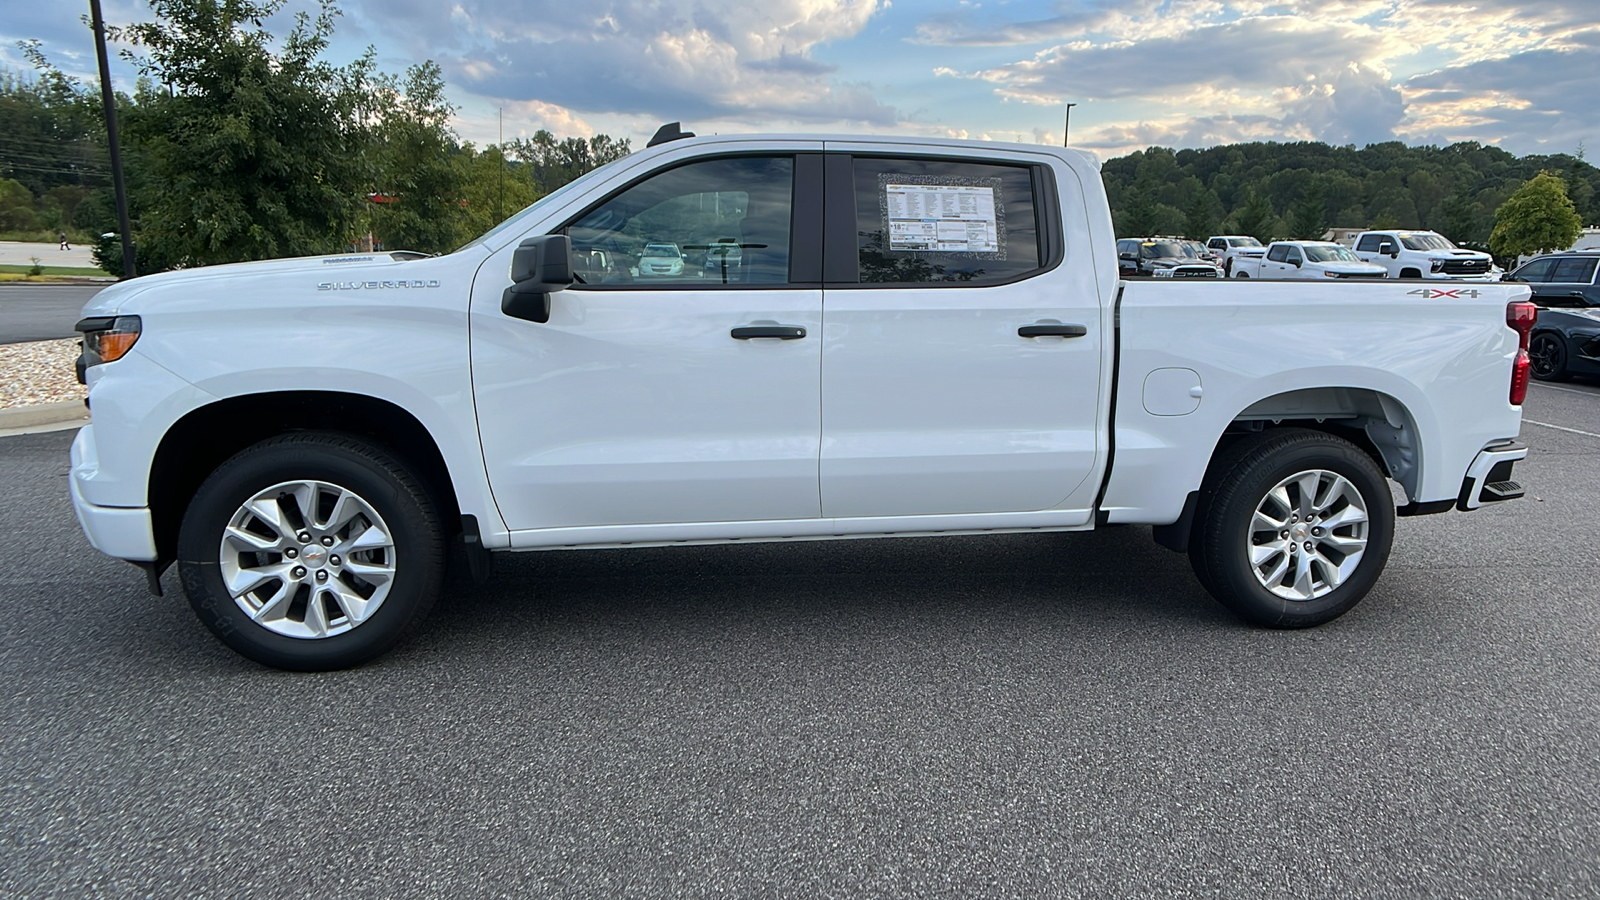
(805, 215)
(841, 261)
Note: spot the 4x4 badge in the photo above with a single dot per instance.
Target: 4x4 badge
(1451, 293)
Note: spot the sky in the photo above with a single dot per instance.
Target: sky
(1520, 74)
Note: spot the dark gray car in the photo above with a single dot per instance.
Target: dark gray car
(1561, 279)
(1566, 337)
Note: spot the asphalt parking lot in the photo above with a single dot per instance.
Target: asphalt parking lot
(999, 716)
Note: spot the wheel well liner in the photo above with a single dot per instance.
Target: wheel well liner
(1374, 421)
(204, 438)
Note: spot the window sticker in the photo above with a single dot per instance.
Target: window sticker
(943, 214)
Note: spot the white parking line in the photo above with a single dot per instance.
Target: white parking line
(1562, 428)
(1565, 390)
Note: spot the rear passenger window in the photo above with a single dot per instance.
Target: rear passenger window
(1574, 271)
(922, 221)
(1279, 253)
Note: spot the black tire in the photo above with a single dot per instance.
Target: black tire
(379, 480)
(1410, 273)
(1245, 472)
(1548, 354)
(1242, 275)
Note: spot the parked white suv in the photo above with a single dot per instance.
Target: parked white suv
(1424, 254)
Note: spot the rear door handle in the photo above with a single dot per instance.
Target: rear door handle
(781, 332)
(1051, 329)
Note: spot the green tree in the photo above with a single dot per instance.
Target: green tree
(492, 189)
(1309, 217)
(1200, 214)
(1460, 218)
(554, 161)
(1536, 218)
(245, 151)
(1139, 216)
(418, 179)
(16, 206)
(1255, 218)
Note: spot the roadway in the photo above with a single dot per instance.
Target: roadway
(998, 716)
(41, 312)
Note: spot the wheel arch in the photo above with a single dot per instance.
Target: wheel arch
(1376, 422)
(207, 436)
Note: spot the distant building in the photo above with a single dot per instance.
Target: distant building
(1345, 236)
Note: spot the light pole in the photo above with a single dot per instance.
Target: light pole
(1067, 128)
(107, 100)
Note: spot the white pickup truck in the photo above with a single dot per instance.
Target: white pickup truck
(1306, 261)
(917, 337)
(1424, 254)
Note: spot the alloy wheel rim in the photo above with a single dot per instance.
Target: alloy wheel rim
(1308, 535)
(1543, 356)
(307, 559)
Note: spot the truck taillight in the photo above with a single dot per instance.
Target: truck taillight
(1520, 316)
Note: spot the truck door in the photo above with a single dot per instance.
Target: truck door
(1293, 263)
(961, 348)
(680, 390)
(1275, 263)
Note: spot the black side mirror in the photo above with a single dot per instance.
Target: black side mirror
(1295, 262)
(539, 266)
(1127, 256)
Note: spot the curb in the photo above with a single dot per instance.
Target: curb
(43, 414)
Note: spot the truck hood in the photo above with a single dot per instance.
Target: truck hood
(345, 271)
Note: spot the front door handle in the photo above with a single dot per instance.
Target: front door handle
(1051, 329)
(781, 332)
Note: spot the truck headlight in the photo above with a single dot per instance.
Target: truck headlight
(1438, 265)
(105, 339)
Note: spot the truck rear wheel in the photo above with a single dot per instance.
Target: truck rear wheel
(311, 552)
(1294, 528)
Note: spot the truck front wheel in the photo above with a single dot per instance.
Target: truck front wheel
(311, 551)
(1294, 528)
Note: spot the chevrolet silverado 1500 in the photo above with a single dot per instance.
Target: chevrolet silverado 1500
(914, 337)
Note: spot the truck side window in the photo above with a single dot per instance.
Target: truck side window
(1369, 243)
(1537, 271)
(1280, 253)
(1579, 270)
(923, 220)
(717, 221)
(1292, 255)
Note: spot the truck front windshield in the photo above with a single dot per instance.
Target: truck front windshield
(1324, 253)
(1160, 250)
(1426, 240)
(1243, 242)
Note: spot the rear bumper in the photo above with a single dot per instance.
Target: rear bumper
(122, 532)
(1488, 479)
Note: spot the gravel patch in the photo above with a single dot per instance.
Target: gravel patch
(39, 372)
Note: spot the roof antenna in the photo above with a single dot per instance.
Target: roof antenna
(669, 132)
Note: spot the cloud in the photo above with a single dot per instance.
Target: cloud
(665, 59)
(1264, 52)
(1537, 101)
